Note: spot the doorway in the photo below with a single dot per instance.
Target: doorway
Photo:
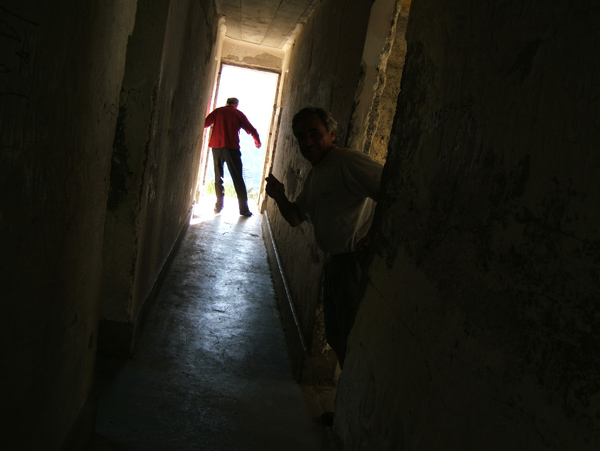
(256, 91)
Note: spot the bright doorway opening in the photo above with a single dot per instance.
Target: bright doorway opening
(256, 90)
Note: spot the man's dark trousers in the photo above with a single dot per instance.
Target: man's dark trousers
(233, 158)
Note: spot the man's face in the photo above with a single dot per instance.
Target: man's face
(313, 138)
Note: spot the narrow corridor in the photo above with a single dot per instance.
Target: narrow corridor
(211, 371)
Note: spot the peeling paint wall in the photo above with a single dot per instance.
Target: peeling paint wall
(169, 74)
(62, 67)
(379, 122)
(479, 325)
(381, 33)
(242, 53)
(173, 155)
(84, 88)
(130, 156)
(324, 70)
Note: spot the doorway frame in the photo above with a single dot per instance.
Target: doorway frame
(269, 144)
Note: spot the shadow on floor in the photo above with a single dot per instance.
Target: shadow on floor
(211, 371)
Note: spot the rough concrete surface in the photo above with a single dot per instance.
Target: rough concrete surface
(211, 371)
(137, 104)
(263, 22)
(62, 66)
(173, 156)
(383, 110)
(479, 326)
(368, 110)
(256, 56)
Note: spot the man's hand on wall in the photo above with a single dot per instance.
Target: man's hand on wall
(289, 211)
(275, 188)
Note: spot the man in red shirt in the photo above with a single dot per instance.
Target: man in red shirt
(225, 143)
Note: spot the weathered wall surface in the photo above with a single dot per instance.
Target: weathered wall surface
(378, 44)
(173, 157)
(479, 328)
(383, 109)
(62, 66)
(242, 53)
(130, 153)
(324, 70)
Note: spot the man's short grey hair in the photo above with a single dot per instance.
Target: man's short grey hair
(325, 116)
(232, 101)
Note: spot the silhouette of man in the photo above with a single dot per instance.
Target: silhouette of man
(338, 199)
(224, 140)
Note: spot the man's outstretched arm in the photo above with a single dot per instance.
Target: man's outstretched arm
(288, 209)
(249, 128)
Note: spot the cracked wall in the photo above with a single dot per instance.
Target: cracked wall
(241, 53)
(170, 67)
(382, 63)
(173, 155)
(130, 156)
(478, 327)
(72, 102)
(383, 109)
(63, 64)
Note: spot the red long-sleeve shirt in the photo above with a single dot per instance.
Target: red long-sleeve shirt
(227, 122)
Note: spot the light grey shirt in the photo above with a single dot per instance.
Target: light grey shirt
(338, 198)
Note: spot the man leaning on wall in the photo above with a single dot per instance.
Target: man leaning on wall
(338, 199)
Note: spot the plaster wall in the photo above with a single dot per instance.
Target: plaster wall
(478, 326)
(245, 54)
(379, 40)
(324, 70)
(62, 66)
(380, 118)
(173, 156)
(130, 153)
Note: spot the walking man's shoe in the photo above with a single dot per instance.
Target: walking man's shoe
(218, 207)
(246, 213)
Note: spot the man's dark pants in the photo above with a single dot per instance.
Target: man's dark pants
(233, 159)
(341, 287)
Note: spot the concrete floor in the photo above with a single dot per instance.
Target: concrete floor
(211, 371)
